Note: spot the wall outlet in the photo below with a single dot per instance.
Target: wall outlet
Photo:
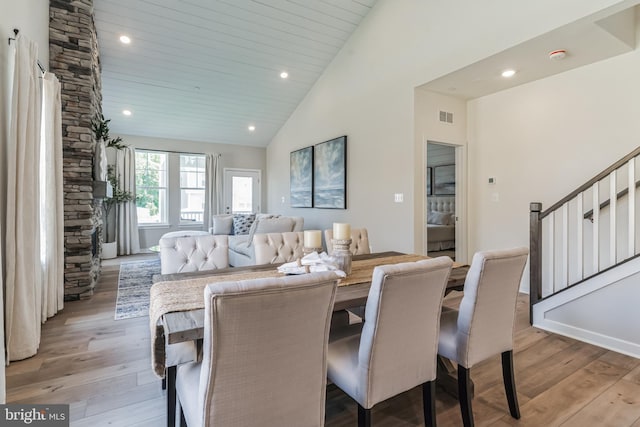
(398, 197)
(495, 197)
(283, 200)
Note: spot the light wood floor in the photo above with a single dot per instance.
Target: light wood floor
(102, 368)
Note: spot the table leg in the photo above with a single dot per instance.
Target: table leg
(448, 377)
(171, 395)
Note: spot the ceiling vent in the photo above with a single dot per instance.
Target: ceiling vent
(446, 117)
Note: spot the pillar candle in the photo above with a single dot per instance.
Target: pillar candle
(312, 239)
(341, 231)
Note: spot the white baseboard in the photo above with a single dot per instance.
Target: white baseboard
(610, 343)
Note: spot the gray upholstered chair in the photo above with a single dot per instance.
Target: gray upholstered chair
(482, 327)
(396, 349)
(264, 354)
(182, 254)
(274, 248)
(359, 241)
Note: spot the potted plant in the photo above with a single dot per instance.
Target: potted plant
(110, 245)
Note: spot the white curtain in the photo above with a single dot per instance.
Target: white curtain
(51, 200)
(23, 298)
(213, 188)
(127, 217)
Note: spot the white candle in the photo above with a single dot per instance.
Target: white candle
(312, 239)
(341, 231)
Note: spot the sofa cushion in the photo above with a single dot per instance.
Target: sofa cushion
(222, 224)
(240, 244)
(271, 225)
(242, 223)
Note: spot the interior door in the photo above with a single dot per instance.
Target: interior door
(242, 190)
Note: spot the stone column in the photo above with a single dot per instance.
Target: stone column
(74, 58)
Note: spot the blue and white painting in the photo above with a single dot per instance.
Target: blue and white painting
(301, 178)
(330, 174)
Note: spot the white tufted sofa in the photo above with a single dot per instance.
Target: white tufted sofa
(272, 248)
(193, 253)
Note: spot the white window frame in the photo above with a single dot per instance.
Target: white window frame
(164, 207)
(203, 189)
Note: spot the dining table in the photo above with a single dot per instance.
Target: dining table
(176, 311)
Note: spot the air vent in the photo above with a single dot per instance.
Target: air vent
(446, 117)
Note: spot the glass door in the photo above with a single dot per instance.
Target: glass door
(242, 191)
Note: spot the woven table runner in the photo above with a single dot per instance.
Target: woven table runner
(188, 294)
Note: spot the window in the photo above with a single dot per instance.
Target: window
(151, 187)
(192, 186)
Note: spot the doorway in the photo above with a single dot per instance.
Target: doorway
(442, 196)
(242, 190)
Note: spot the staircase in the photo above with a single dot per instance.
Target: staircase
(584, 264)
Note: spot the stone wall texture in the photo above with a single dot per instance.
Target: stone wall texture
(74, 58)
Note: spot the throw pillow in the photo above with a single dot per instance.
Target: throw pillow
(242, 223)
(439, 218)
(223, 224)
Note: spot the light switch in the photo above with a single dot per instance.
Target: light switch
(399, 197)
(492, 180)
(495, 197)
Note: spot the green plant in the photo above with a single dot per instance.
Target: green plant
(100, 128)
(101, 131)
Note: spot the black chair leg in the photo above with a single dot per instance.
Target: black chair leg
(364, 417)
(171, 396)
(429, 403)
(510, 384)
(464, 396)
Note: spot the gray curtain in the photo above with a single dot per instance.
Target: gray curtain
(126, 214)
(213, 188)
(23, 281)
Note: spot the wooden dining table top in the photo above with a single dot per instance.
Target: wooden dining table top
(187, 325)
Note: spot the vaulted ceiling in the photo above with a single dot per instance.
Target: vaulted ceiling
(206, 70)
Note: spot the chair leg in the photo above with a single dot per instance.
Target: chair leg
(171, 396)
(510, 383)
(464, 396)
(364, 417)
(429, 403)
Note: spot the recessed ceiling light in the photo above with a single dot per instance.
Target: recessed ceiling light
(125, 39)
(284, 75)
(251, 128)
(508, 73)
(126, 112)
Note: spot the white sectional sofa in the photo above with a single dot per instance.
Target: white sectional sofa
(241, 249)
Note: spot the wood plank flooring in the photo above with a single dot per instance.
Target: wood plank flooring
(102, 368)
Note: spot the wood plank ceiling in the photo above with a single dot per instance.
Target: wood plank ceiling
(205, 70)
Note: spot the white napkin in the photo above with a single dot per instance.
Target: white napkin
(312, 263)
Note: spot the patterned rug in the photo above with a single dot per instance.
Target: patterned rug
(134, 282)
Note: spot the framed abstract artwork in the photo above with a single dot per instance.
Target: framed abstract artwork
(330, 174)
(444, 180)
(301, 178)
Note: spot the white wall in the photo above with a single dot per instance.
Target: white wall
(544, 139)
(233, 156)
(367, 93)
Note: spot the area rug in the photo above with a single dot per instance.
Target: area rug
(134, 282)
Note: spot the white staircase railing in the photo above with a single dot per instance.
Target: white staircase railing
(586, 233)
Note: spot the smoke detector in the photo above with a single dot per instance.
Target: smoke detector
(557, 55)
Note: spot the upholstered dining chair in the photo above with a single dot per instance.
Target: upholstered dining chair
(274, 248)
(397, 346)
(264, 354)
(359, 241)
(482, 327)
